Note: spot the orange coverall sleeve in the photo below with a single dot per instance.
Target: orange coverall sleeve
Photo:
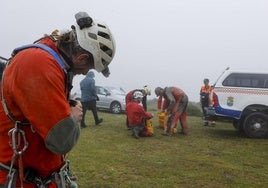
(159, 103)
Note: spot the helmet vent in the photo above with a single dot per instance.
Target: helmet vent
(92, 35)
(105, 64)
(107, 50)
(104, 35)
(100, 25)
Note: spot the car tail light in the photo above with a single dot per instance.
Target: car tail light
(215, 99)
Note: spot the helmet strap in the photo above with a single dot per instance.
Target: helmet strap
(66, 58)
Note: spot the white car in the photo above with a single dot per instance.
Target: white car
(111, 99)
(242, 97)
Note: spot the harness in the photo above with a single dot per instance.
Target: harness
(19, 143)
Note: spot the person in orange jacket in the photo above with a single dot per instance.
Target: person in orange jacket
(175, 102)
(137, 115)
(206, 100)
(145, 91)
(129, 97)
(37, 118)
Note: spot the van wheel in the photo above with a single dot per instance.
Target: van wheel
(115, 108)
(256, 125)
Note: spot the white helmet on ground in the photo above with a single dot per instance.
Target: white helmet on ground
(96, 38)
(137, 95)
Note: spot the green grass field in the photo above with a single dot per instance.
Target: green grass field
(107, 156)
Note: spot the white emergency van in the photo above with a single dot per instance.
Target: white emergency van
(242, 97)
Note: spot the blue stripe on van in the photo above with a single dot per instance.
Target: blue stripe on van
(227, 112)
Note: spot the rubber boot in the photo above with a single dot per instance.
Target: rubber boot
(136, 132)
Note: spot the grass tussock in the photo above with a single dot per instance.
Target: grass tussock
(107, 156)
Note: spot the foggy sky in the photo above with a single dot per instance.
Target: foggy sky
(158, 42)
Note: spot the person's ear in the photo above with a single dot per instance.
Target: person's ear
(82, 59)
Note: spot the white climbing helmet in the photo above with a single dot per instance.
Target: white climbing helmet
(96, 38)
(137, 95)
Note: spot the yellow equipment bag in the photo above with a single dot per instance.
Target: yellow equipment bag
(162, 120)
(149, 128)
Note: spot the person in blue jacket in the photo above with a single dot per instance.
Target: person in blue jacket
(89, 98)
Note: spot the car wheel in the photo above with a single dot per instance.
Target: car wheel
(115, 107)
(256, 125)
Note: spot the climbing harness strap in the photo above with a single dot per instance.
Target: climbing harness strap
(44, 47)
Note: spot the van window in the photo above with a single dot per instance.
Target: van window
(246, 80)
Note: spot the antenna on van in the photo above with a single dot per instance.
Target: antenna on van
(227, 68)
